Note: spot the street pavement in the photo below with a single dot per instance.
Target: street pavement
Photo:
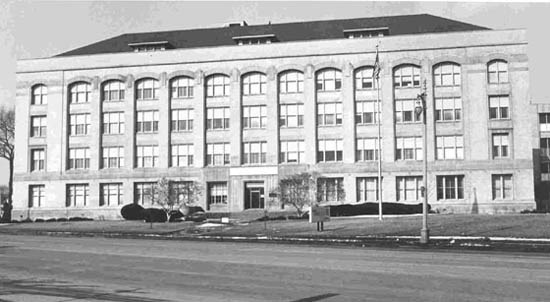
(42, 268)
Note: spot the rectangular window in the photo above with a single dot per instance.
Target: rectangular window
(217, 118)
(113, 123)
(217, 193)
(77, 195)
(38, 160)
(544, 121)
(291, 115)
(364, 79)
(254, 117)
(38, 126)
(254, 153)
(147, 156)
(448, 109)
(147, 121)
(80, 93)
(450, 147)
(217, 154)
(367, 189)
(329, 114)
(182, 155)
(37, 195)
(145, 193)
(329, 150)
(366, 149)
(79, 158)
(113, 157)
(450, 187)
(404, 111)
(330, 189)
(329, 80)
(147, 89)
(366, 112)
(406, 76)
(111, 194)
(292, 152)
(217, 85)
(500, 145)
(79, 124)
(182, 120)
(409, 148)
(545, 147)
(499, 107)
(409, 188)
(113, 91)
(502, 186)
(545, 171)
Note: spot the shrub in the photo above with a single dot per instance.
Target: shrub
(51, 220)
(154, 215)
(132, 211)
(39, 220)
(175, 216)
(371, 208)
(80, 219)
(196, 217)
(195, 209)
(61, 219)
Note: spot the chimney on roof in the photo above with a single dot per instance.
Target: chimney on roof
(237, 24)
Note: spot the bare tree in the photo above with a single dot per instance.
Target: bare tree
(175, 195)
(7, 136)
(298, 190)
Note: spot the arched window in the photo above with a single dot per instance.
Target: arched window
(329, 80)
(254, 83)
(39, 95)
(217, 85)
(147, 89)
(406, 76)
(497, 71)
(113, 91)
(291, 81)
(364, 79)
(447, 74)
(182, 87)
(80, 92)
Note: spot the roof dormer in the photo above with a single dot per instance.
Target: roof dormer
(150, 46)
(255, 39)
(366, 32)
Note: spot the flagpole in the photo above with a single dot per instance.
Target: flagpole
(378, 118)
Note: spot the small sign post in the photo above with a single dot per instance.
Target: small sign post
(319, 215)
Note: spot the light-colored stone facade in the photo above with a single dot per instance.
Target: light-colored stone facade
(471, 50)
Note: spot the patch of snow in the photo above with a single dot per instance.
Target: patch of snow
(210, 225)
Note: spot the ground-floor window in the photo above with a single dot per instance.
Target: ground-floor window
(367, 189)
(409, 188)
(111, 194)
(330, 189)
(144, 192)
(217, 193)
(450, 187)
(502, 186)
(37, 195)
(77, 195)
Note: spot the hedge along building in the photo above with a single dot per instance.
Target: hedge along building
(237, 108)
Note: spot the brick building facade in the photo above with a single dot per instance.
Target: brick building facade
(97, 125)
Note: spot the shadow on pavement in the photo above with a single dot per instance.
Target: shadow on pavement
(53, 288)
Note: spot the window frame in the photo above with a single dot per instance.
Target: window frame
(79, 89)
(110, 93)
(248, 119)
(182, 87)
(297, 83)
(500, 112)
(118, 123)
(439, 74)
(417, 148)
(254, 83)
(106, 190)
(443, 188)
(41, 161)
(500, 181)
(73, 192)
(361, 151)
(112, 162)
(79, 158)
(223, 120)
(185, 119)
(497, 151)
(441, 147)
(254, 158)
(328, 76)
(40, 91)
(212, 86)
(500, 70)
(400, 72)
(147, 156)
(142, 122)
(337, 153)
(182, 155)
(442, 110)
(147, 89)
(212, 156)
(364, 75)
(41, 195)
(285, 151)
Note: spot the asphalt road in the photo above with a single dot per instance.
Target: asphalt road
(48, 269)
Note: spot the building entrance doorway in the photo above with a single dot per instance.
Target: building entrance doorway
(254, 195)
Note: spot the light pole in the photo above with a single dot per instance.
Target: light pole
(421, 108)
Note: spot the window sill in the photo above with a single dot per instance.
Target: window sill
(297, 127)
(329, 126)
(146, 100)
(217, 130)
(112, 134)
(255, 94)
(329, 91)
(257, 128)
(113, 102)
(156, 132)
(404, 88)
(446, 86)
(291, 93)
(448, 121)
(182, 98)
(366, 89)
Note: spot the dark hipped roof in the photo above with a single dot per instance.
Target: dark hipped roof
(284, 32)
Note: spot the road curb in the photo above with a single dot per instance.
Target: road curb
(535, 245)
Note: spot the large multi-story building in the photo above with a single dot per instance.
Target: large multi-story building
(237, 108)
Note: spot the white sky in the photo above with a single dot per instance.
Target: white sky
(31, 29)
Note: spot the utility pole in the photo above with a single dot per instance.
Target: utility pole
(421, 108)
